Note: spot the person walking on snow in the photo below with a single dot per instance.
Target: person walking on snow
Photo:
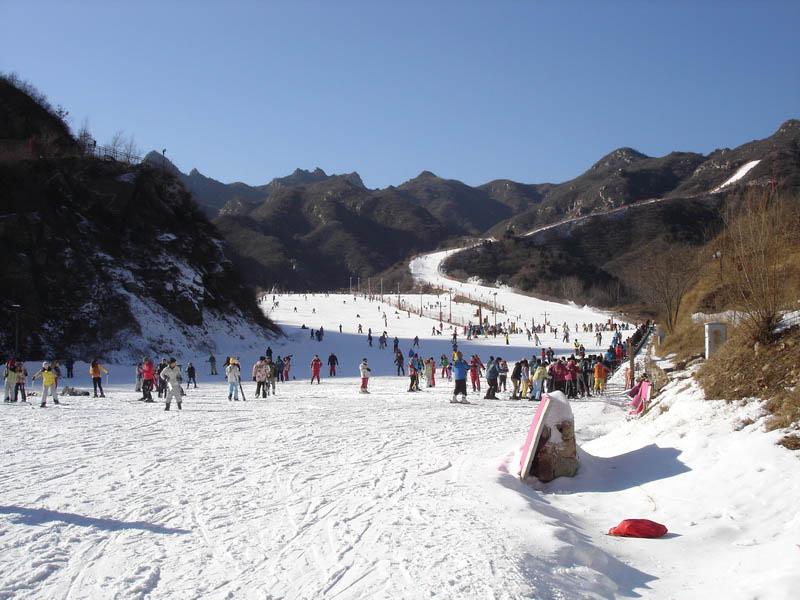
(316, 365)
(48, 383)
(364, 370)
(332, 362)
(96, 371)
(234, 373)
(172, 377)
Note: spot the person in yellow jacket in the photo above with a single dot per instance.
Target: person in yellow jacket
(49, 383)
(96, 371)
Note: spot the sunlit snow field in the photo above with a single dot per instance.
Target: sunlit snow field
(322, 492)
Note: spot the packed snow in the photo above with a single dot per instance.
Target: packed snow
(322, 492)
(740, 173)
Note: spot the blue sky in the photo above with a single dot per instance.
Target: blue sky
(529, 91)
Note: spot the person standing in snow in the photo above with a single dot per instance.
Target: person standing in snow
(491, 378)
(287, 364)
(138, 387)
(96, 371)
(364, 371)
(476, 366)
(399, 360)
(272, 372)
(413, 374)
(48, 383)
(22, 378)
(234, 374)
(460, 368)
(148, 379)
(160, 383)
(70, 364)
(212, 364)
(332, 362)
(537, 380)
(10, 381)
(260, 376)
(502, 374)
(316, 365)
(172, 378)
(191, 375)
(428, 369)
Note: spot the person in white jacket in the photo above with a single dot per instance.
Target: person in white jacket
(234, 373)
(172, 376)
(365, 371)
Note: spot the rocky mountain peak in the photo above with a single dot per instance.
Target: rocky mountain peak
(619, 159)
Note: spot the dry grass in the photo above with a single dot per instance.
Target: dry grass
(743, 369)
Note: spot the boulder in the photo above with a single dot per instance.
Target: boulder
(557, 454)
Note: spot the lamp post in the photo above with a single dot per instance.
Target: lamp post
(451, 306)
(351, 285)
(495, 313)
(16, 308)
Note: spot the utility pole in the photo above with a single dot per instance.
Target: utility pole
(369, 287)
(16, 308)
(351, 286)
(359, 285)
(495, 313)
(381, 289)
(545, 318)
(451, 306)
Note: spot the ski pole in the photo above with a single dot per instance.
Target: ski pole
(244, 398)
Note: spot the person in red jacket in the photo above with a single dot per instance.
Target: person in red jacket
(316, 365)
(571, 378)
(474, 373)
(148, 377)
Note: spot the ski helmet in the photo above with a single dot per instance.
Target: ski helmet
(45, 364)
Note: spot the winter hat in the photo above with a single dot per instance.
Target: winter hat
(363, 360)
(172, 360)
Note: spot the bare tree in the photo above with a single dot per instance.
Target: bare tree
(752, 248)
(664, 274)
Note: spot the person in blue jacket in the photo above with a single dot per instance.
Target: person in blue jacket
(460, 368)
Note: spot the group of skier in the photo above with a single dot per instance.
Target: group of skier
(15, 378)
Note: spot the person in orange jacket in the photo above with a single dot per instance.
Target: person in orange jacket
(96, 371)
(600, 374)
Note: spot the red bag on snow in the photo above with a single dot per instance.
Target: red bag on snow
(641, 528)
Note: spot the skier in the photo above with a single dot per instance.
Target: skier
(416, 341)
(96, 370)
(260, 376)
(172, 378)
(445, 364)
(332, 362)
(316, 365)
(191, 375)
(234, 373)
(148, 377)
(364, 370)
(460, 367)
(48, 383)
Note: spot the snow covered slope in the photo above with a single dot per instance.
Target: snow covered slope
(321, 492)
